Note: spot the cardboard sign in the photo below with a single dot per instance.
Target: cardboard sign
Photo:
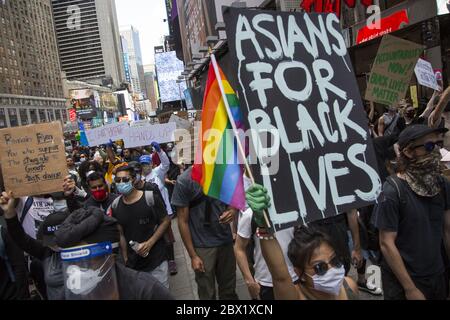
(33, 159)
(102, 135)
(392, 70)
(180, 122)
(425, 74)
(145, 135)
(296, 82)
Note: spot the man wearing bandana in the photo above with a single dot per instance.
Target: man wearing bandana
(414, 219)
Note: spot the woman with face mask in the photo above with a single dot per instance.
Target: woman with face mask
(320, 270)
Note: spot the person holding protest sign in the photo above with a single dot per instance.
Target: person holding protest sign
(82, 227)
(312, 253)
(143, 218)
(414, 219)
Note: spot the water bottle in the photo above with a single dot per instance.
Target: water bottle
(135, 246)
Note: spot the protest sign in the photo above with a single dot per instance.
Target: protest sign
(102, 135)
(296, 82)
(180, 122)
(145, 135)
(392, 70)
(33, 159)
(425, 74)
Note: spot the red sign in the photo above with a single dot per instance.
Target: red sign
(387, 25)
(330, 6)
(72, 115)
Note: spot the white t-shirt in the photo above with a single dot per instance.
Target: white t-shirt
(39, 210)
(284, 237)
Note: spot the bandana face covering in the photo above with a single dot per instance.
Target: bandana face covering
(423, 174)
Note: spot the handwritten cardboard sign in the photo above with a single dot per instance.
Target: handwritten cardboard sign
(33, 159)
(145, 135)
(102, 135)
(295, 81)
(392, 70)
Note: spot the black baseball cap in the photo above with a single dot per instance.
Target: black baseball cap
(415, 132)
(52, 222)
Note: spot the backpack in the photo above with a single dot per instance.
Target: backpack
(149, 199)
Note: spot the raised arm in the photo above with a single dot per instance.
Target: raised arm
(435, 118)
(283, 287)
(430, 105)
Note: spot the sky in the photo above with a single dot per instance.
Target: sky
(147, 16)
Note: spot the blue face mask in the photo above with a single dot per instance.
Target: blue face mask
(125, 188)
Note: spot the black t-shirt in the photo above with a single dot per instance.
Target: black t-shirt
(419, 224)
(139, 223)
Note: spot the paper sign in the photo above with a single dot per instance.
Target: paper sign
(425, 74)
(144, 136)
(102, 135)
(180, 122)
(33, 159)
(297, 88)
(392, 70)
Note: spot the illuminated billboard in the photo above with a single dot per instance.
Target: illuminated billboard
(168, 69)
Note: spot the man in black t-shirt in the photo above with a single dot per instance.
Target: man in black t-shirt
(143, 221)
(414, 219)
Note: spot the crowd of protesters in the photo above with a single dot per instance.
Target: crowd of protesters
(129, 198)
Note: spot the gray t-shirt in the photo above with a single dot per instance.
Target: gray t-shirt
(188, 193)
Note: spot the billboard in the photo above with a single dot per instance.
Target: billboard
(85, 102)
(168, 69)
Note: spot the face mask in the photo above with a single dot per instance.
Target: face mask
(60, 205)
(422, 174)
(83, 281)
(330, 282)
(125, 188)
(82, 160)
(99, 195)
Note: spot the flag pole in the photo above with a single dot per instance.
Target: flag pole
(233, 125)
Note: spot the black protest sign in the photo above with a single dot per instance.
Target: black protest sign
(296, 81)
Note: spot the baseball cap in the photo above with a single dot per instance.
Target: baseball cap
(415, 132)
(145, 159)
(52, 222)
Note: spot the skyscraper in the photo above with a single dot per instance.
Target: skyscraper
(131, 35)
(88, 41)
(30, 76)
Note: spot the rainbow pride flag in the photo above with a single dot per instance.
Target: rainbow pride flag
(217, 167)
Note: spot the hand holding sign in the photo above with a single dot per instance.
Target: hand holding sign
(8, 204)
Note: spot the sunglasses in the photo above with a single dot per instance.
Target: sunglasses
(430, 145)
(321, 268)
(124, 179)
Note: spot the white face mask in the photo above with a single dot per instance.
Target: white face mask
(84, 281)
(330, 282)
(60, 205)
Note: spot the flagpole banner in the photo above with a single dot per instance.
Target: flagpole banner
(145, 135)
(299, 96)
(103, 134)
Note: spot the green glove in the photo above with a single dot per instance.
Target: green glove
(258, 200)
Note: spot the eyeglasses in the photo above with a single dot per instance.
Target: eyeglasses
(320, 268)
(123, 179)
(430, 145)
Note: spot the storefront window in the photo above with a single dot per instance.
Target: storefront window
(42, 115)
(24, 117)
(58, 114)
(13, 120)
(33, 116)
(2, 118)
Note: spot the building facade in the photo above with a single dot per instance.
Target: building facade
(131, 35)
(88, 41)
(30, 75)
